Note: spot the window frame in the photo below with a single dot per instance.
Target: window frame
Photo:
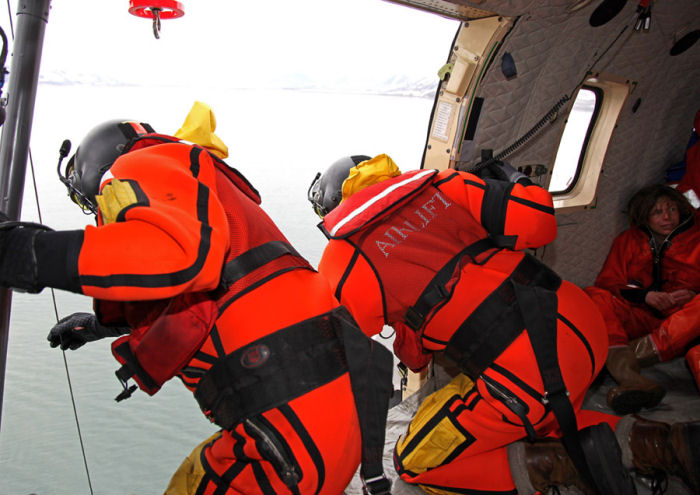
(582, 192)
(599, 98)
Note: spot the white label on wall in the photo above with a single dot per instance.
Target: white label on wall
(442, 121)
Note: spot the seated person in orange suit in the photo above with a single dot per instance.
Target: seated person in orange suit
(647, 292)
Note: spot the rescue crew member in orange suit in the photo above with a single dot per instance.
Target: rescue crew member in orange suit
(439, 256)
(185, 261)
(647, 292)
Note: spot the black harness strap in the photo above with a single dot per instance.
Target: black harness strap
(371, 371)
(290, 362)
(253, 259)
(539, 310)
(525, 300)
(271, 371)
(436, 291)
(497, 321)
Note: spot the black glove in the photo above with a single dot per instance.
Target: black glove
(75, 330)
(503, 171)
(18, 262)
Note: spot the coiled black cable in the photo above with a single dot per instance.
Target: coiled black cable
(550, 115)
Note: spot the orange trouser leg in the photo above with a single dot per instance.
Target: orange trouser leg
(674, 333)
(623, 320)
(464, 427)
(322, 448)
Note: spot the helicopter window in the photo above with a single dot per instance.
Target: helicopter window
(585, 139)
(572, 147)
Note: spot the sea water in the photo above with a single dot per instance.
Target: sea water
(278, 139)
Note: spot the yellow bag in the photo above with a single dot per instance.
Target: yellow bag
(431, 436)
(186, 479)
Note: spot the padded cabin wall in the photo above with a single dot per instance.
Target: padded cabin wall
(537, 42)
(644, 142)
(552, 50)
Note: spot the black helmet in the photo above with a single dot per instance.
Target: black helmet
(325, 192)
(95, 155)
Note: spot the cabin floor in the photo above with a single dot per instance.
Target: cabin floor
(681, 403)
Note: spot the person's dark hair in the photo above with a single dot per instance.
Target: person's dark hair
(643, 202)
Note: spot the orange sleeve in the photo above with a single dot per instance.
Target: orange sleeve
(354, 284)
(170, 238)
(516, 215)
(614, 274)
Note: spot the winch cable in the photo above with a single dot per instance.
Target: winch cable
(53, 297)
(65, 360)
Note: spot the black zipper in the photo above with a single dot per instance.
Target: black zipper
(271, 449)
(512, 402)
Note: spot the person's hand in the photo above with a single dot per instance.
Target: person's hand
(682, 296)
(499, 170)
(504, 171)
(660, 300)
(75, 330)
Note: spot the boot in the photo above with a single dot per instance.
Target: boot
(645, 351)
(538, 466)
(634, 391)
(651, 447)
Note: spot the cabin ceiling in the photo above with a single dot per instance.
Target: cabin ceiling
(453, 9)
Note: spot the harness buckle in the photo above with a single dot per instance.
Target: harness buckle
(413, 318)
(378, 485)
(545, 398)
(126, 393)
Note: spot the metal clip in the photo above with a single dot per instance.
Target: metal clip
(545, 398)
(126, 393)
(379, 485)
(156, 22)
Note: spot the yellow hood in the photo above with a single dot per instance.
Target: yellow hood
(199, 128)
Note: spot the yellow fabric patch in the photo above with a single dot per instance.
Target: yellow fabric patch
(186, 479)
(438, 440)
(369, 172)
(199, 128)
(113, 198)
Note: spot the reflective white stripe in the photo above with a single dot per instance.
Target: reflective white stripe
(107, 176)
(693, 198)
(376, 198)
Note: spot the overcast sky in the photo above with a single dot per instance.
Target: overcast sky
(231, 42)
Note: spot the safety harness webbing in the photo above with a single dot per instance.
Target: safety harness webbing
(253, 259)
(291, 362)
(527, 299)
(271, 371)
(436, 291)
(497, 321)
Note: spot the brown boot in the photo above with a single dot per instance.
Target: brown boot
(634, 391)
(540, 465)
(650, 447)
(645, 351)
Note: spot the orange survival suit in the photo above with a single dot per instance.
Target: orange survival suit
(636, 265)
(438, 256)
(262, 343)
